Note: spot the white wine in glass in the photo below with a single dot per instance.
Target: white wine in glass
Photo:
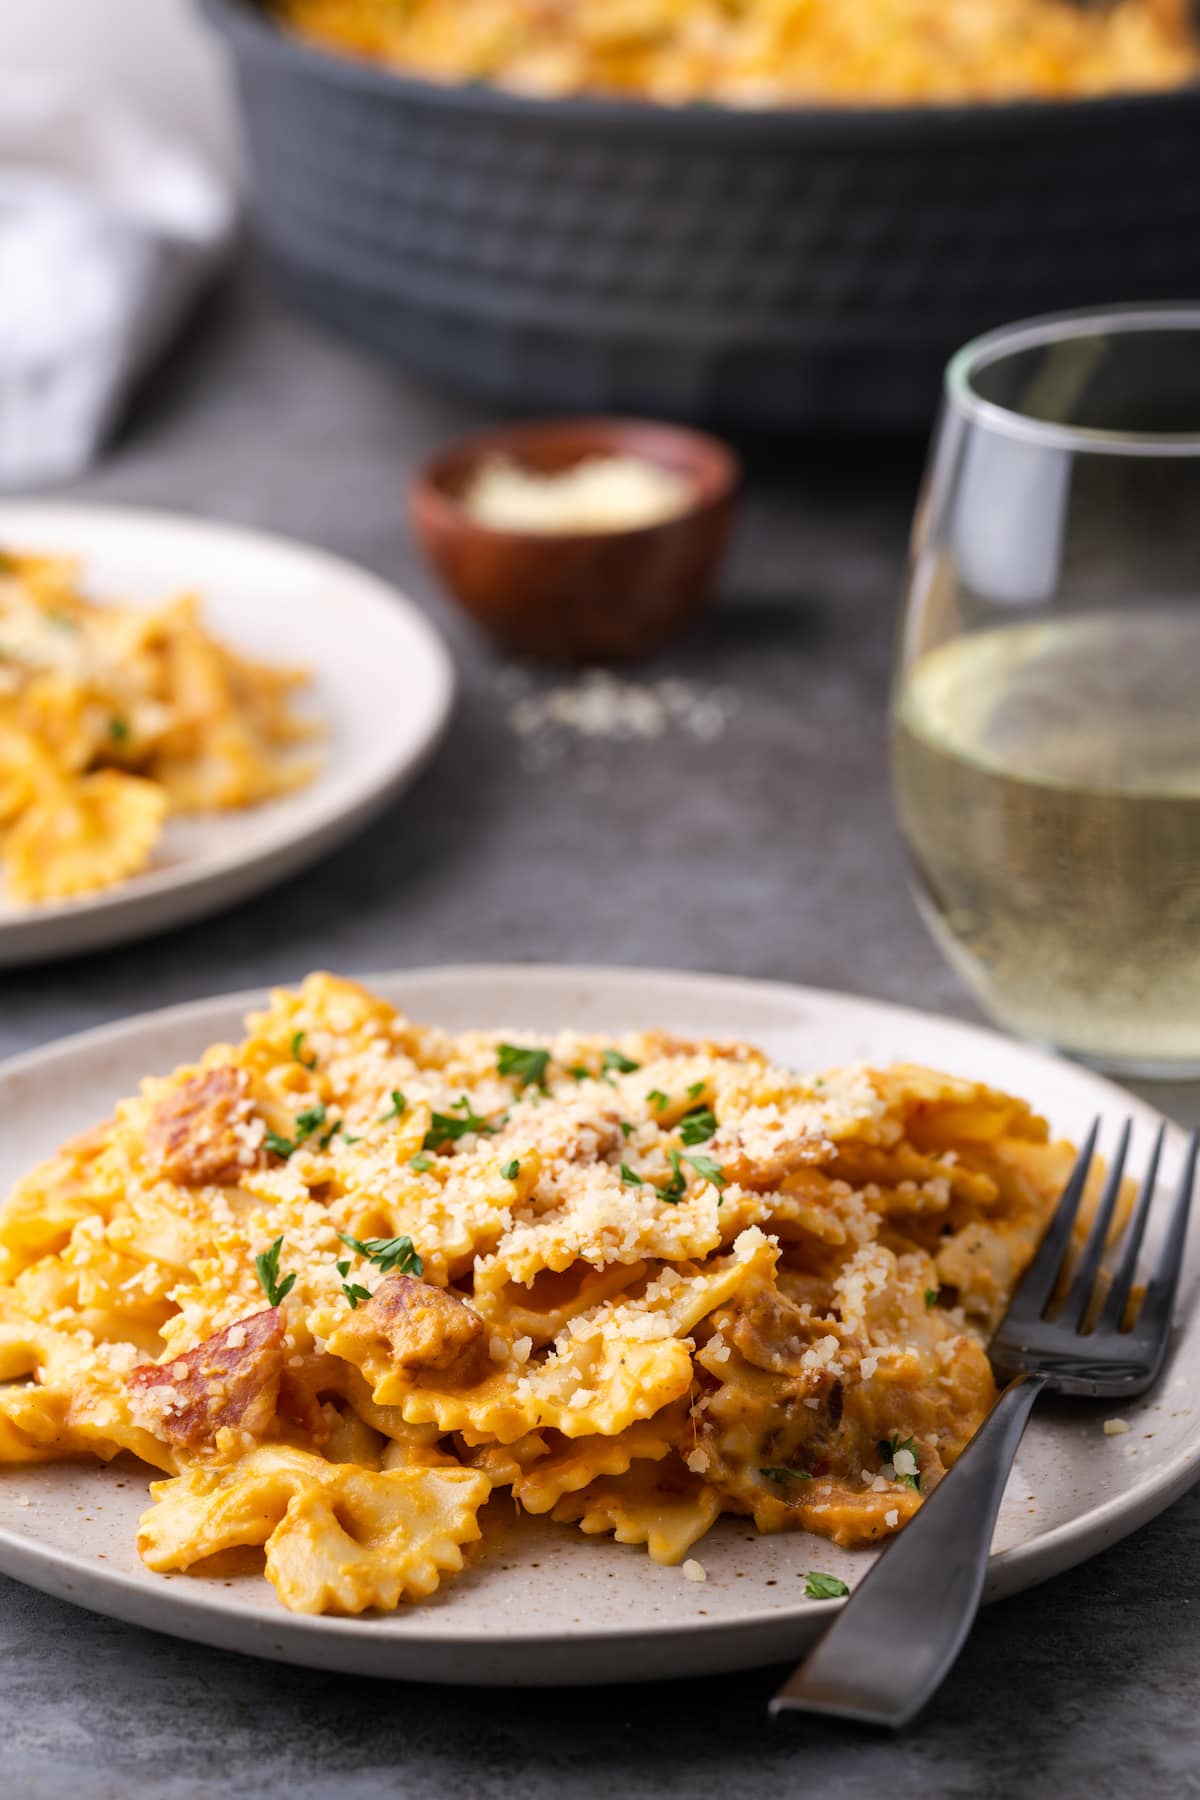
(1046, 720)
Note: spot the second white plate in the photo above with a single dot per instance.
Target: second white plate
(382, 686)
(544, 1604)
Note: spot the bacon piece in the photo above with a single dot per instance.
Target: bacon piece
(197, 1135)
(232, 1378)
(425, 1327)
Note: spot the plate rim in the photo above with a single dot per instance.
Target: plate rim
(182, 892)
(1009, 1571)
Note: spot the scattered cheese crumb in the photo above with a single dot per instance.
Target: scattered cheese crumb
(694, 1571)
(892, 1519)
(697, 1461)
(601, 706)
(1115, 1427)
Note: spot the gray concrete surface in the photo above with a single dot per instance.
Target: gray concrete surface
(769, 851)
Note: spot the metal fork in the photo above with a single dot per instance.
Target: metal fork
(899, 1634)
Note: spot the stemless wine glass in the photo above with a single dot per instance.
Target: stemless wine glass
(1046, 709)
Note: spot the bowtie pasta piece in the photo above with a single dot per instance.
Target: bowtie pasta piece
(369, 1540)
(337, 1538)
(577, 1462)
(659, 1505)
(89, 833)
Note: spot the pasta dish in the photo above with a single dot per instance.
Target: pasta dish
(344, 1282)
(111, 717)
(769, 52)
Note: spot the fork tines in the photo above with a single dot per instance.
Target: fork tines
(1031, 1333)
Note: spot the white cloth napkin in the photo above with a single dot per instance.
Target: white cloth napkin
(108, 231)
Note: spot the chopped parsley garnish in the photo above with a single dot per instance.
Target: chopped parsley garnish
(324, 1141)
(527, 1067)
(118, 729)
(267, 1264)
(781, 1473)
(397, 1108)
(657, 1099)
(351, 1289)
(626, 1127)
(673, 1192)
(631, 1176)
(388, 1253)
(579, 1072)
(511, 1170)
(824, 1587)
(697, 1125)
(695, 1091)
(309, 1062)
(421, 1163)
(624, 1065)
(307, 1122)
(445, 1128)
(707, 1168)
(890, 1448)
(931, 1295)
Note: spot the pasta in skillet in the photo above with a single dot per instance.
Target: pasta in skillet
(770, 52)
(111, 717)
(344, 1281)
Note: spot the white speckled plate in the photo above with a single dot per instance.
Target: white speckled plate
(545, 1605)
(382, 684)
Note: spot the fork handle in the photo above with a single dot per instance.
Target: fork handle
(899, 1634)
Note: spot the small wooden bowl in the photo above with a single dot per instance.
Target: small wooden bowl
(602, 596)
